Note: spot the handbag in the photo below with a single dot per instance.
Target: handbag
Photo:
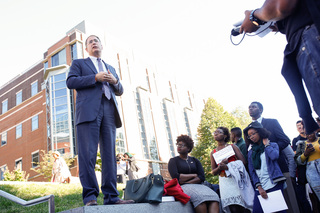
(148, 189)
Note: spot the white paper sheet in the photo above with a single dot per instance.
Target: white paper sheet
(223, 154)
(275, 202)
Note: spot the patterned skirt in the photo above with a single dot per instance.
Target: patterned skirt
(229, 193)
(199, 193)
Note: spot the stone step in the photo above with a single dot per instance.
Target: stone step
(167, 207)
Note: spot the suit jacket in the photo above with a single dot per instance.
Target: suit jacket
(279, 137)
(277, 134)
(81, 77)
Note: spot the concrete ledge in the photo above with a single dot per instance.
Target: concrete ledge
(167, 207)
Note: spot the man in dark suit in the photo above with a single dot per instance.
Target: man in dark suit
(286, 157)
(97, 117)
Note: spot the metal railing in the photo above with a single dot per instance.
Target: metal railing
(49, 198)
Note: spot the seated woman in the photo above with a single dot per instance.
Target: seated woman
(189, 172)
(308, 153)
(262, 162)
(232, 198)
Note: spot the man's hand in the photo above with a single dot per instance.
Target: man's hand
(106, 77)
(247, 26)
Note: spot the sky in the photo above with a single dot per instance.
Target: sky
(191, 38)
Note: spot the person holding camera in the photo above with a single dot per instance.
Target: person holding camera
(308, 153)
(132, 167)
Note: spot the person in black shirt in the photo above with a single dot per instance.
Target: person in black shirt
(301, 179)
(300, 22)
(300, 137)
(189, 172)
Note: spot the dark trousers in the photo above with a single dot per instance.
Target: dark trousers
(101, 131)
(303, 202)
(256, 203)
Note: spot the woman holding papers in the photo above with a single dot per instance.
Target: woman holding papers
(262, 162)
(189, 172)
(227, 161)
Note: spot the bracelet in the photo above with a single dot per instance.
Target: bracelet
(255, 20)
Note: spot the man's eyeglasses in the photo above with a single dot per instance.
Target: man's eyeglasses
(180, 145)
(250, 136)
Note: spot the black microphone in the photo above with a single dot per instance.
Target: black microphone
(235, 31)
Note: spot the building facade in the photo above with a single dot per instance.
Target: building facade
(37, 109)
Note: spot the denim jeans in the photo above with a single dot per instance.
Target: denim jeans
(308, 61)
(303, 64)
(313, 176)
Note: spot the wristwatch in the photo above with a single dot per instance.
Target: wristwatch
(255, 20)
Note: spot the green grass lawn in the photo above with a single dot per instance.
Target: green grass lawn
(66, 196)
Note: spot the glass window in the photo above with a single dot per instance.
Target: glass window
(60, 77)
(186, 121)
(167, 123)
(34, 88)
(59, 58)
(60, 85)
(2, 170)
(19, 98)
(19, 164)
(61, 109)
(60, 92)
(74, 52)
(34, 123)
(120, 145)
(3, 138)
(19, 131)
(149, 145)
(35, 159)
(5, 106)
(45, 65)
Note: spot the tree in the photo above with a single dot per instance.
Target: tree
(212, 117)
(45, 166)
(15, 175)
(242, 116)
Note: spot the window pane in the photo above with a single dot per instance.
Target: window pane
(61, 109)
(60, 77)
(35, 123)
(59, 58)
(34, 88)
(74, 54)
(35, 159)
(60, 85)
(60, 92)
(19, 98)
(2, 170)
(4, 139)
(61, 101)
(19, 131)
(4, 106)
(19, 164)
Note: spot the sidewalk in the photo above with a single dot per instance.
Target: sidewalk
(167, 207)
